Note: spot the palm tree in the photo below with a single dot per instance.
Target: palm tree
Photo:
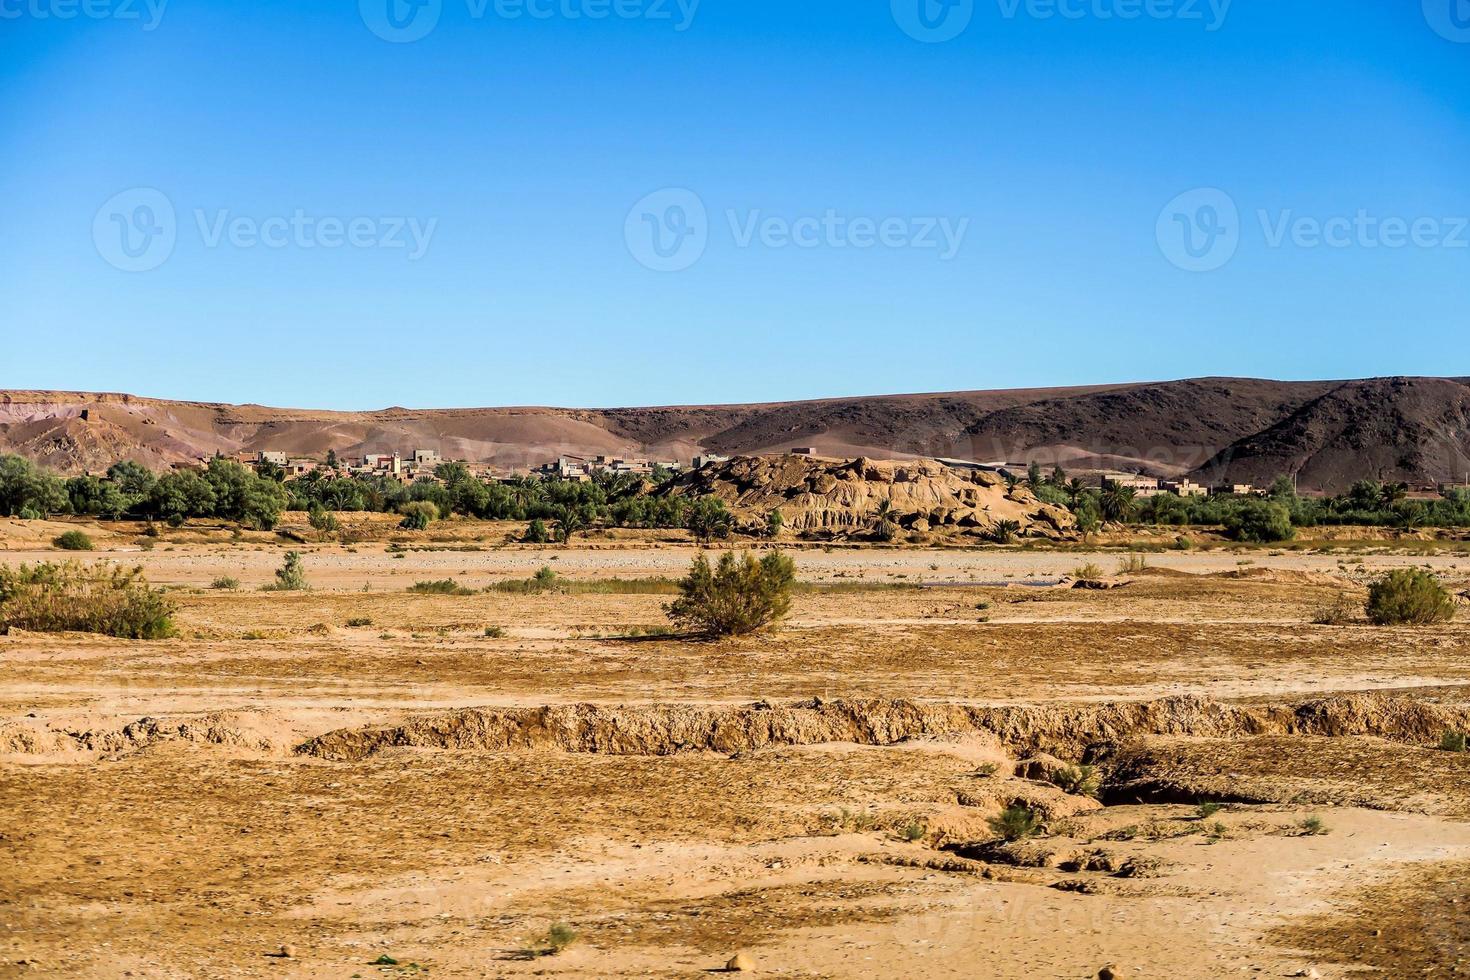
(886, 529)
(1075, 488)
(1117, 502)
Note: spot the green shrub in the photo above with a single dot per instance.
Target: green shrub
(446, 586)
(74, 541)
(912, 831)
(1312, 827)
(322, 519)
(225, 584)
(1409, 597)
(1087, 573)
(290, 577)
(418, 515)
(1132, 565)
(1260, 521)
(536, 533)
(1453, 742)
(1015, 823)
(494, 633)
(105, 599)
(1077, 780)
(739, 596)
(1207, 809)
(1003, 532)
(356, 622)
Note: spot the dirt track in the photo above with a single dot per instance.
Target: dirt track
(200, 841)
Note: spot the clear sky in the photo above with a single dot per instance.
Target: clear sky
(631, 202)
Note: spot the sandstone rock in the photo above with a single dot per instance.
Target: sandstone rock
(741, 962)
(288, 951)
(1109, 972)
(835, 497)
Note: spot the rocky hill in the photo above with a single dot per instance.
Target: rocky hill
(1326, 432)
(844, 497)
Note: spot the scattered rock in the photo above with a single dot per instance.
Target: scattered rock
(1109, 972)
(741, 962)
(288, 951)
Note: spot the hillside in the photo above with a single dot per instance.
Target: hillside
(1414, 429)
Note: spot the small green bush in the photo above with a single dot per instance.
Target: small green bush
(1207, 809)
(1077, 780)
(912, 831)
(1453, 742)
(738, 596)
(1087, 573)
(446, 586)
(357, 622)
(105, 599)
(74, 541)
(1015, 823)
(494, 633)
(290, 577)
(1409, 597)
(225, 584)
(1312, 827)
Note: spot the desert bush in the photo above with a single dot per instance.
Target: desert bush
(290, 577)
(536, 533)
(912, 831)
(74, 541)
(1077, 780)
(1207, 809)
(1453, 742)
(739, 596)
(1339, 611)
(1087, 573)
(105, 599)
(322, 519)
(446, 586)
(1409, 597)
(1312, 827)
(357, 622)
(494, 633)
(1260, 521)
(1132, 565)
(418, 515)
(225, 584)
(559, 937)
(1015, 823)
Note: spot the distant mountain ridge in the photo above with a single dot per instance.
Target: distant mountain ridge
(1326, 433)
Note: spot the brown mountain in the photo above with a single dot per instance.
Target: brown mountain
(1330, 433)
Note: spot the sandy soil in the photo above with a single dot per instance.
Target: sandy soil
(200, 841)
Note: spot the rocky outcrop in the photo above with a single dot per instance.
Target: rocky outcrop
(846, 497)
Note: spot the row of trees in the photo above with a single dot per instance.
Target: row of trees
(223, 489)
(1271, 518)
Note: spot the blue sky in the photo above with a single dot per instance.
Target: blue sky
(501, 178)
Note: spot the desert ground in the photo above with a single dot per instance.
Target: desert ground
(361, 781)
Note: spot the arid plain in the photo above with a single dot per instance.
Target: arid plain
(363, 781)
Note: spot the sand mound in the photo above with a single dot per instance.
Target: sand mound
(1287, 576)
(1067, 731)
(821, 496)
